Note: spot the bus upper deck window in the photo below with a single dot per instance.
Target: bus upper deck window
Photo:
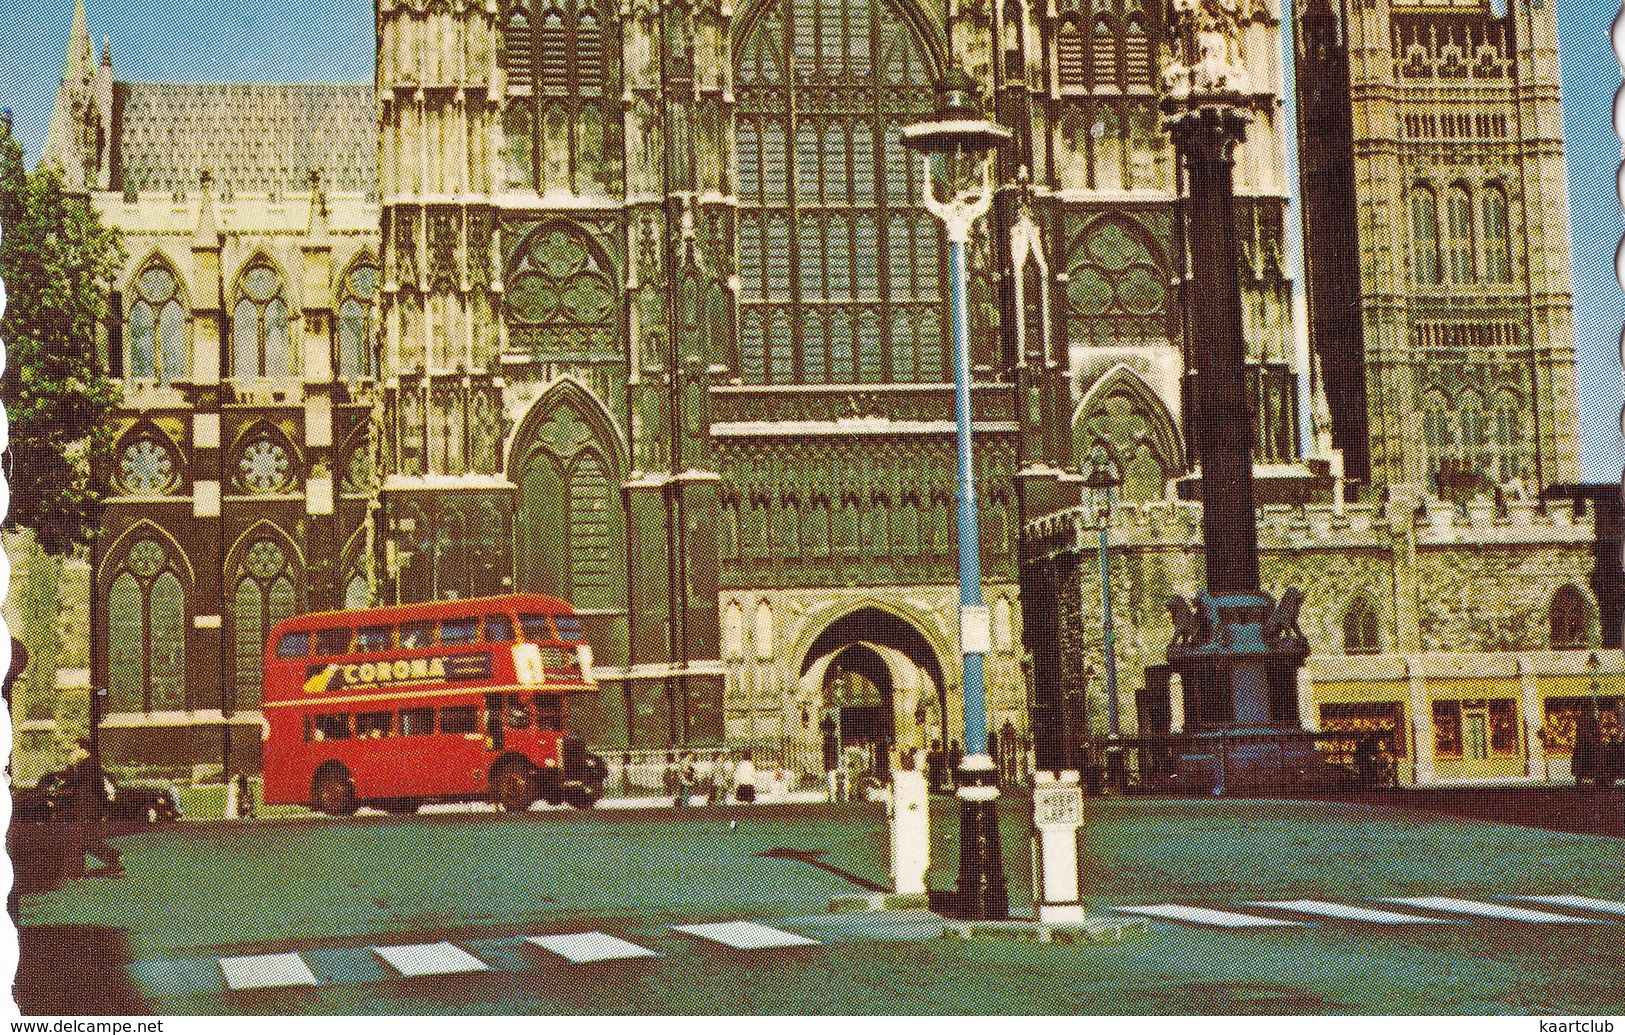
(373, 638)
(535, 628)
(569, 626)
(498, 629)
(417, 634)
(332, 641)
(459, 630)
(293, 644)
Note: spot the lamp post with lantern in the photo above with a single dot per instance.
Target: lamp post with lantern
(958, 144)
(1102, 481)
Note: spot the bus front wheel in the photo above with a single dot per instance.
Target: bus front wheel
(514, 788)
(333, 792)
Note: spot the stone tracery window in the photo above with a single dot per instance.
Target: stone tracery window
(260, 340)
(355, 321)
(1437, 434)
(561, 74)
(266, 462)
(1425, 264)
(146, 625)
(1497, 244)
(1459, 242)
(1362, 631)
(147, 464)
(840, 267)
(156, 326)
(1116, 290)
(1508, 433)
(263, 593)
(561, 300)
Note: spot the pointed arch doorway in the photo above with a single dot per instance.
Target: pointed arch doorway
(878, 684)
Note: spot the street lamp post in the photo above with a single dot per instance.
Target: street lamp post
(1102, 480)
(957, 143)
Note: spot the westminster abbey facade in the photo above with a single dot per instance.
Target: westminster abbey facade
(639, 305)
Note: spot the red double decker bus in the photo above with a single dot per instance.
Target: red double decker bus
(461, 700)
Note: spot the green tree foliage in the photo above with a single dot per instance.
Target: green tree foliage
(58, 262)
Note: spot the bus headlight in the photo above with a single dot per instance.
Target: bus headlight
(584, 657)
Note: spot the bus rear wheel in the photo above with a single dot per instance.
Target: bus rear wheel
(514, 788)
(333, 792)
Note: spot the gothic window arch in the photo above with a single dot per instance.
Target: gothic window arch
(263, 590)
(1568, 619)
(1069, 53)
(1474, 437)
(1508, 434)
(562, 75)
(840, 267)
(561, 297)
(156, 325)
(1459, 238)
(1497, 242)
(1437, 434)
(261, 345)
(571, 525)
(146, 627)
(356, 592)
(354, 327)
(1362, 627)
(1425, 262)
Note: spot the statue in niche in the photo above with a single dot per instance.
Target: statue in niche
(1208, 59)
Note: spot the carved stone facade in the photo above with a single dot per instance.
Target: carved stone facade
(638, 305)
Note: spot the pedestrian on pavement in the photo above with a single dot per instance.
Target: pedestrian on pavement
(722, 777)
(745, 779)
(670, 776)
(933, 766)
(85, 797)
(688, 779)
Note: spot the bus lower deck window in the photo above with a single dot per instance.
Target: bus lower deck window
(459, 630)
(417, 722)
(463, 718)
(498, 629)
(549, 712)
(293, 645)
(374, 638)
(535, 628)
(332, 641)
(373, 724)
(328, 727)
(518, 713)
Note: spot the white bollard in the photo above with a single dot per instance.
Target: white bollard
(233, 804)
(1057, 815)
(910, 832)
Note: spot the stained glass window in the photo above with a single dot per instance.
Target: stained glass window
(561, 300)
(260, 345)
(146, 615)
(839, 266)
(156, 326)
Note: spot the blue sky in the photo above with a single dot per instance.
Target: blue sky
(321, 41)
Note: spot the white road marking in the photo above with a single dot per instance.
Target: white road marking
(1344, 912)
(1598, 905)
(1214, 917)
(433, 958)
(272, 970)
(590, 947)
(1491, 910)
(742, 934)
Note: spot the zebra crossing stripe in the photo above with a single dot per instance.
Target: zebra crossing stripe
(1345, 912)
(742, 934)
(426, 960)
(1596, 905)
(271, 970)
(1211, 917)
(590, 947)
(1492, 910)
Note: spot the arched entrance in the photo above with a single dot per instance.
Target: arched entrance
(878, 684)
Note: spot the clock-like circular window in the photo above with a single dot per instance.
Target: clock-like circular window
(147, 466)
(265, 465)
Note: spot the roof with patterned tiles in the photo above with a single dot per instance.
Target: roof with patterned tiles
(254, 138)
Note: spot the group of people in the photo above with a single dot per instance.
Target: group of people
(686, 779)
